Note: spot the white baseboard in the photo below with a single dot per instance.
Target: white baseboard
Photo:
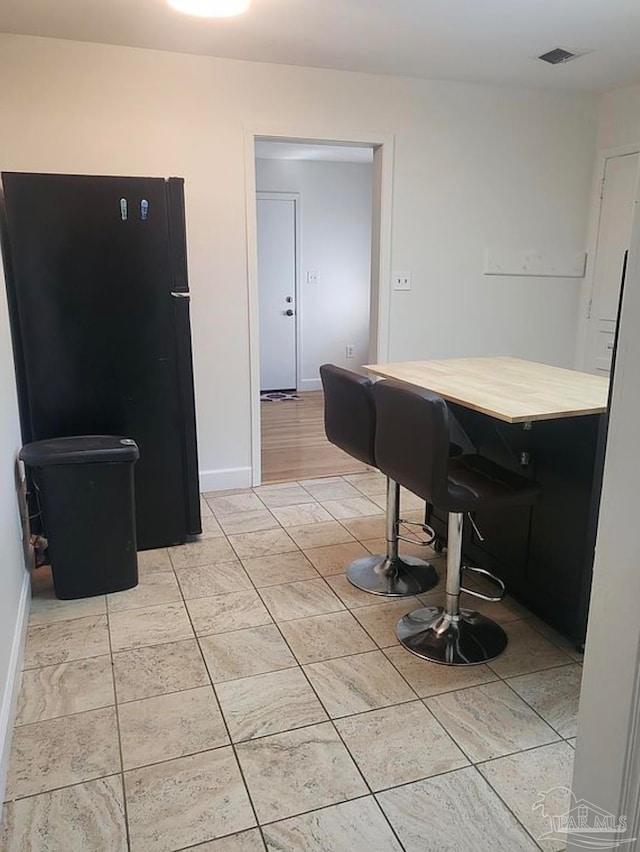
(222, 480)
(310, 384)
(12, 684)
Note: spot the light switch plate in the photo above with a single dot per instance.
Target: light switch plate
(401, 280)
(313, 276)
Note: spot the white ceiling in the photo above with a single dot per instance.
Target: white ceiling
(307, 151)
(493, 41)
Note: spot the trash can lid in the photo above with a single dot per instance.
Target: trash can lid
(80, 449)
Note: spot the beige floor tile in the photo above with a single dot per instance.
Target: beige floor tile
(305, 513)
(455, 811)
(268, 704)
(356, 825)
(186, 801)
(63, 641)
(565, 644)
(336, 489)
(572, 742)
(522, 779)
(371, 484)
(490, 721)
(366, 528)
(205, 509)
(152, 625)
(63, 751)
(211, 528)
(351, 685)
(155, 587)
(300, 600)
(432, 679)
(264, 543)
(415, 745)
(319, 535)
(554, 694)
(47, 608)
(53, 691)
(169, 726)
(351, 507)
(275, 496)
(205, 551)
(378, 544)
(526, 652)
(277, 772)
(81, 818)
(154, 560)
(243, 653)
(246, 841)
(279, 569)
(335, 558)
(231, 503)
(222, 613)
(204, 581)
(380, 621)
(158, 669)
(323, 637)
(244, 522)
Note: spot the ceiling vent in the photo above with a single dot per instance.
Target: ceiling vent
(557, 56)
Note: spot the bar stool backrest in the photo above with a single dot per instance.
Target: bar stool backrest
(349, 412)
(412, 439)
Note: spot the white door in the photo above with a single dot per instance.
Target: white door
(614, 234)
(277, 291)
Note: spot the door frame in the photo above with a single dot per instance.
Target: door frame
(296, 198)
(586, 296)
(383, 151)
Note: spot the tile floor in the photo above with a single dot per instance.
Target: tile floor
(245, 697)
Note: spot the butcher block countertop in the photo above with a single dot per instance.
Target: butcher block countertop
(508, 389)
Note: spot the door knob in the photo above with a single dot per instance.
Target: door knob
(289, 313)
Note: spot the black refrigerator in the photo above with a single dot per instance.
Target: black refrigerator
(96, 276)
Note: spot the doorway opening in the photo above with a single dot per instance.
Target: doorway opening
(316, 294)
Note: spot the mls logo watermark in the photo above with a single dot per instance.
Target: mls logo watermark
(579, 821)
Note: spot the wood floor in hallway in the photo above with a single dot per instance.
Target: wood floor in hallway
(294, 445)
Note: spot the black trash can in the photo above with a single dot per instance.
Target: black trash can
(86, 496)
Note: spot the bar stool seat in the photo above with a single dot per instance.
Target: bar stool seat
(350, 423)
(412, 446)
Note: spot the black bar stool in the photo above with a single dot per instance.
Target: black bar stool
(350, 423)
(412, 447)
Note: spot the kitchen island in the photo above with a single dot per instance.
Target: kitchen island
(546, 423)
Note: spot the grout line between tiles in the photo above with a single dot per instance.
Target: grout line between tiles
(226, 727)
(117, 712)
(332, 722)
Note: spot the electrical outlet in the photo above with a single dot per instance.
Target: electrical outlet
(350, 350)
(313, 276)
(401, 280)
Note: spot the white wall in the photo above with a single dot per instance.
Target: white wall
(619, 118)
(335, 240)
(474, 166)
(14, 584)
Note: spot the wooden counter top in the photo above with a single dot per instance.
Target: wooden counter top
(508, 389)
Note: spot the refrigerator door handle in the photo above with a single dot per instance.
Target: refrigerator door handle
(177, 295)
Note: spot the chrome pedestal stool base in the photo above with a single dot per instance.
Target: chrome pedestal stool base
(400, 577)
(392, 575)
(465, 639)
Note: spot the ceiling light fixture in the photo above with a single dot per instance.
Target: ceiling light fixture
(211, 8)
